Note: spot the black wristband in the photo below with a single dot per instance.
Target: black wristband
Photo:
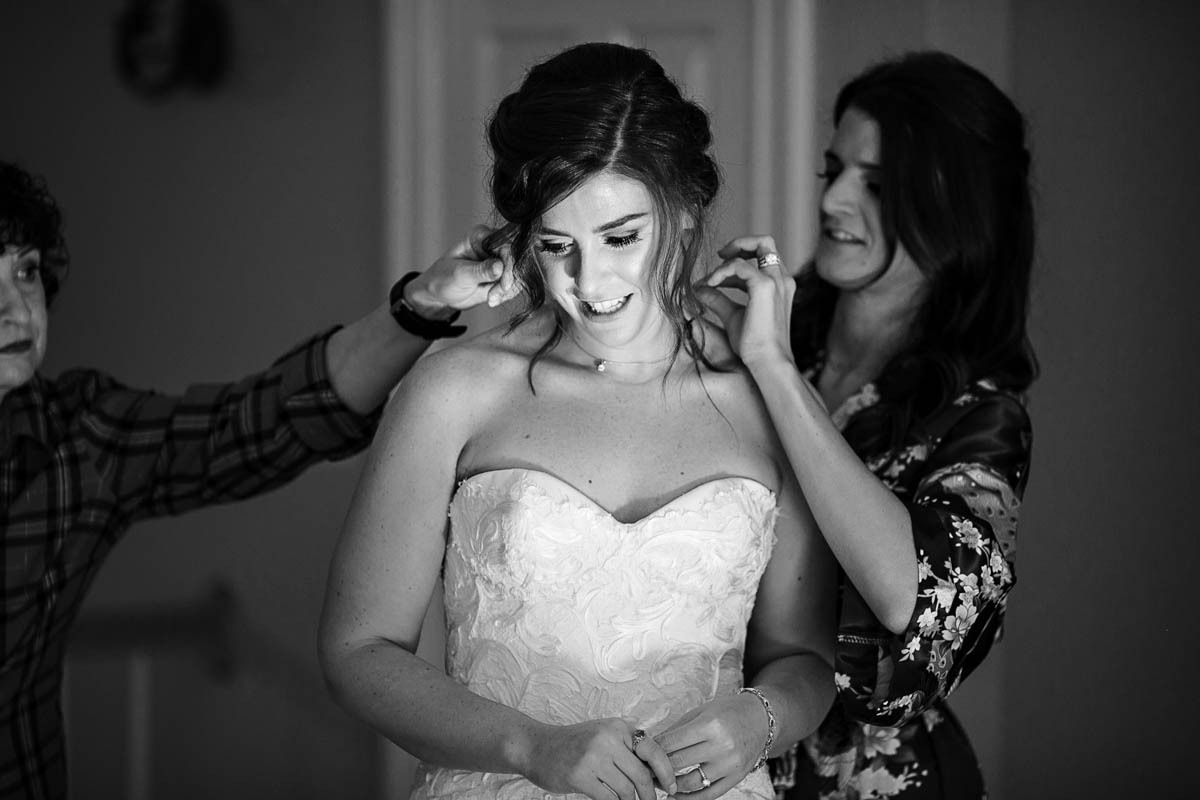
(408, 318)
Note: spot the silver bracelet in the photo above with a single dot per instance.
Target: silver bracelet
(766, 704)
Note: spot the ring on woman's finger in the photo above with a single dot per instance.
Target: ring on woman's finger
(769, 260)
(639, 736)
(704, 781)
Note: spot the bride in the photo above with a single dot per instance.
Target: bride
(637, 598)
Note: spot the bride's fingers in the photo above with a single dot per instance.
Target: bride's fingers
(615, 786)
(685, 759)
(637, 778)
(683, 744)
(692, 779)
(692, 785)
(656, 758)
(748, 247)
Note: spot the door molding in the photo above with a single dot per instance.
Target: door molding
(783, 63)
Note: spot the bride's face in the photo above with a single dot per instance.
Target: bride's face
(596, 249)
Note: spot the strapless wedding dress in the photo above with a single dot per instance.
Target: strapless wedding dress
(557, 609)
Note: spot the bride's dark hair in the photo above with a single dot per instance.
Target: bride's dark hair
(594, 108)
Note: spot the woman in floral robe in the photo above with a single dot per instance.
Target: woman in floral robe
(894, 369)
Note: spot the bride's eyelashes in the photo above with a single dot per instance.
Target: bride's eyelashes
(623, 241)
(553, 247)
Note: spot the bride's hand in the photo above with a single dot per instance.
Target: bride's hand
(758, 329)
(715, 745)
(599, 759)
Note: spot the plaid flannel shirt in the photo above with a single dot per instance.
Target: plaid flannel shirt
(81, 459)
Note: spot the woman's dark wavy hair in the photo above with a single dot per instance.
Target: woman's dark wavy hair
(604, 107)
(955, 192)
(29, 218)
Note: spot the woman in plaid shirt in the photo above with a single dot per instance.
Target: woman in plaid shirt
(83, 457)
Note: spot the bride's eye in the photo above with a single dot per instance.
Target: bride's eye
(623, 241)
(553, 248)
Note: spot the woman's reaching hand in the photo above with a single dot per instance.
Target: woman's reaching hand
(465, 276)
(758, 329)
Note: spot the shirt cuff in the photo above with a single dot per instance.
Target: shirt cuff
(322, 421)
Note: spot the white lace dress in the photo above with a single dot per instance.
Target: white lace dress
(557, 609)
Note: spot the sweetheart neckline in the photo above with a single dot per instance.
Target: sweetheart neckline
(597, 507)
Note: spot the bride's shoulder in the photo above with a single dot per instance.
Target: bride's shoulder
(487, 361)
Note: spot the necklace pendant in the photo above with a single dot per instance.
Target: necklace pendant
(601, 365)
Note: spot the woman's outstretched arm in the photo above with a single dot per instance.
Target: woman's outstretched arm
(934, 570)
(866, 526)
(366, 358)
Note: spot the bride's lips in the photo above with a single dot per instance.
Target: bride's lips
(600, 309)
(17, 347)
(840, 236)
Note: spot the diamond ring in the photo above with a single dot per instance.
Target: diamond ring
(769, 260)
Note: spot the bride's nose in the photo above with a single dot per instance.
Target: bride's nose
(592, 272)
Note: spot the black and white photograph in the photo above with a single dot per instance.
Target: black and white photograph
(623, 400)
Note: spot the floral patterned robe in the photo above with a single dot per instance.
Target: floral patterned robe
(890, 734)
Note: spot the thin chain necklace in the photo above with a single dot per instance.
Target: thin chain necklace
(601, 364)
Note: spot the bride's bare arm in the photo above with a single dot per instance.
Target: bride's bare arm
(789, 648)
(383, 574)
(381, 580)
(788, 658)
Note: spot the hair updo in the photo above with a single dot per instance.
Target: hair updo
(594, 108)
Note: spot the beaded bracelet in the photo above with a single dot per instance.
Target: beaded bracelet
(762, 759)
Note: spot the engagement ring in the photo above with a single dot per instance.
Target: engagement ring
(769, 260)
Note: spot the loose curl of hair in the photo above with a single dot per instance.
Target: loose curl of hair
(955, 193)
(29, 218)
(590, 109)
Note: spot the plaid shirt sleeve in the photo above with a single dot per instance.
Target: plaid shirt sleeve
(81, 458)
(162, 454)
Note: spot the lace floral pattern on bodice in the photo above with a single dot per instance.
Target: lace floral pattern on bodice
(556, 608)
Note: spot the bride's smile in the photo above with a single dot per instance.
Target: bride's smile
(596, 248)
